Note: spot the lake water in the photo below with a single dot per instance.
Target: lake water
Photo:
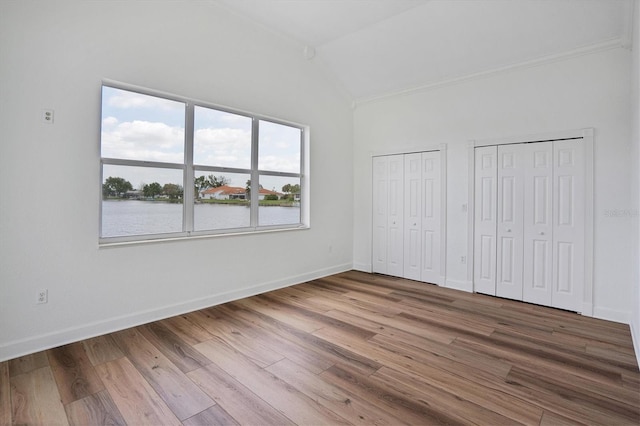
(135, 217)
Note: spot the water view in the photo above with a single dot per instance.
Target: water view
(137, 217)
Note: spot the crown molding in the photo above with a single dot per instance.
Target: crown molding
(614, 43)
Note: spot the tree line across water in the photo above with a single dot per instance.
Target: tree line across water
(117, 187)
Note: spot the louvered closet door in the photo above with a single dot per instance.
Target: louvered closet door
(568, 227)
(538, 223)
(380, 206)
(412, 216)
(395, 220)
(431, 218)
(484, 250)
(510, 229)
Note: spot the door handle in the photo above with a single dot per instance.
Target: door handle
(508, 230)
(542, 233)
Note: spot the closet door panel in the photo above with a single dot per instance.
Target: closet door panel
(395, 219)
(412, 216)
(568, 229)
(538, 223)
(431, 208)
(510, 226)
(485, 221)
(380, 205)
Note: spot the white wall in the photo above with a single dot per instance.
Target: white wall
(54, 55)
(635, 167)
(584, 91)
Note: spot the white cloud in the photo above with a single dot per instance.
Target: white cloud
(223, 147)
(280, 164)
(144, 140)
(234, 118)
(227, 136)
(109, 121)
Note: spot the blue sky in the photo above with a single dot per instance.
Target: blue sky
(142, 127)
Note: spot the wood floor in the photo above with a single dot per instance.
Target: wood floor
(352, 348)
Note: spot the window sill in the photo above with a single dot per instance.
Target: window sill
(118, 242)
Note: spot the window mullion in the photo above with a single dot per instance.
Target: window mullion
(141, 163)
(304, 179)
(189, 195)
(255, 177)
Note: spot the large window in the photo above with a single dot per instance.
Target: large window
(174, 167)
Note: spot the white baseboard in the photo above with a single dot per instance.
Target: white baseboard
(460, 285)
(587, 309)
(363, 267)
(42, 342)
(612, 315)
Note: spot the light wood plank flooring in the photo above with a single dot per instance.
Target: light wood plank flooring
(352, 348)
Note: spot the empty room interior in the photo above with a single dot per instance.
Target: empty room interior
(444, 229)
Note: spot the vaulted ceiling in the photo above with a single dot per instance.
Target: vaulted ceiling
(378, 47)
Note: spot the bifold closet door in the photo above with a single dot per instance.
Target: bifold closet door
(422, 217)
(529, 222)
(407, 216)
(510, 229)
(388, 224)
(412, 216)
(568, 224)
(431, 218)
(485, 221)
(380, 206)
(538, 223)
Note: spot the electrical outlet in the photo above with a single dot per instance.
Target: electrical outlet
(42, 296)
(47, 116)
(463, 259)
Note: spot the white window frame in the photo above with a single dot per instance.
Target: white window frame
(189, 169)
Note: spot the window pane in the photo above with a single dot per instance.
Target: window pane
(278, 147)
(141, 127)
(141, 200)
(221, 201)
(221, 139)
(279, 201)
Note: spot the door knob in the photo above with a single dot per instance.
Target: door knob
(508, 230)
(542, 233)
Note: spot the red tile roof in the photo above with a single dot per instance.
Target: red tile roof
(225, 190)
(232, 190)
(267, 192)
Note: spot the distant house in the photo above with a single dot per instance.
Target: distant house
(264, 192)
(224, 192)
(134, 194)
(233, 193)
